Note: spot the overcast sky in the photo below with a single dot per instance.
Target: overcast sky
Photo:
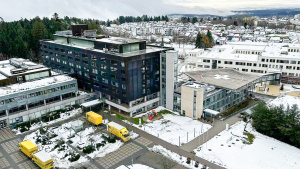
(110, 9)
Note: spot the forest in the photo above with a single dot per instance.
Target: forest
(21, 38)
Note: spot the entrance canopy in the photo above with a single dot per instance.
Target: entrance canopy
(211, 112)
(92, 103)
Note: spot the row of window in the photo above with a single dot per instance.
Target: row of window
(44, 92)
(112, 62)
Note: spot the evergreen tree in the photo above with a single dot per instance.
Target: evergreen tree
(199, 42)
(194, 20)
(211, 39)
(167, 18)
(108, 23)
(38, 32)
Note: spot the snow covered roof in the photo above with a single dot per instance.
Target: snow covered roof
(91, 103)
(43, 156)
(19, 66)
(20, 87)
(271, 50)
(115, 125)
(225, 78)
(212, 112)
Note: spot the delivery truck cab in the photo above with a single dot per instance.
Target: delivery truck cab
(94, 117)
(28, 148)
(119, 131)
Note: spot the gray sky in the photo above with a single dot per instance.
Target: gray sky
(110, 9)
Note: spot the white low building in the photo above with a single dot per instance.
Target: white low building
(255, 58)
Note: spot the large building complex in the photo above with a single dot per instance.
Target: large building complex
(210, 92)
(255, 58)
(29, 90)
(126, 72)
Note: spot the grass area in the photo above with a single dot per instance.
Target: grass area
(250, 137)
(165, 112)
(132, 120)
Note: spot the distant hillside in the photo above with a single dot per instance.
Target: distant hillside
(260, 13)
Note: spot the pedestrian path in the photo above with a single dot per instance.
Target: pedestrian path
(218, 127)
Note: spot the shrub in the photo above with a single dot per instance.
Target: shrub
(188, 160)
(111, 139)
(99, 145)
(74, 157)
(88, 149)
(197, 164)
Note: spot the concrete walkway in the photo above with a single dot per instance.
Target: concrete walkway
(218, 127)
(163, 143)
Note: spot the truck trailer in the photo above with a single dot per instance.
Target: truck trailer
(42, 159)
(119, 131)
(94, 117)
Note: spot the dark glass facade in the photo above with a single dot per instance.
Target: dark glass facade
(121, 77)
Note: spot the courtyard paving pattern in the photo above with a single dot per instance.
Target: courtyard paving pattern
(115, 157)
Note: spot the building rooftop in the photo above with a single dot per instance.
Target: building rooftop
(228, 51)
(18, 66)
(19, 87)
(118, 40)
(43, 156)
(149, 49)
(225, 78)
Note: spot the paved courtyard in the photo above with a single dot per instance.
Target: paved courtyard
(135, 150)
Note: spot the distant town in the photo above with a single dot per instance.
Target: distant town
(144, 92)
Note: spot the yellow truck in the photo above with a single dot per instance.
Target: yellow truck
(118, 131)
(94, 117)
(42, 159)
(28, 148)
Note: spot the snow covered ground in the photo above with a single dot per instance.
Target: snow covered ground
(134, 166)
(285, 101)
(81, 139)
(228, 150)
(173, 156)
(63, 116)
(172, 126)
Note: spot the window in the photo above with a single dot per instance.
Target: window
(94, 64)
(206, 60)
(102, 59)
(95, 71)
(113, 69)
(249, 64)
(93, 57)
(102, 66)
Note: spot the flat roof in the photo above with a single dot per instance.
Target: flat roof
(14, 88)
(119, 40)
(91, 103)
(225, 78)
(115, 125)
(25, 66)
(43, 156)
(212, 112)
(28, 144)
(149, 49)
